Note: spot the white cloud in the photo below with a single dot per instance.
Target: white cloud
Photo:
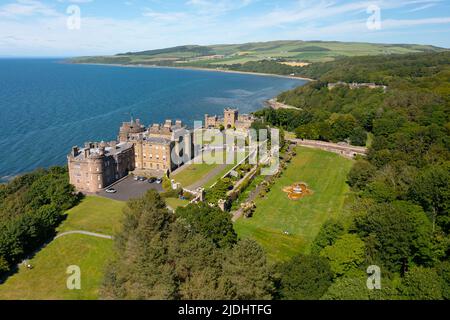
(47, 33)
(26, 8)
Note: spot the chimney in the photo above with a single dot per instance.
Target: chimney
(87, 152)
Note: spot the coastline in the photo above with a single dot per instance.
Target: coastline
(194, 69)
(7, 178)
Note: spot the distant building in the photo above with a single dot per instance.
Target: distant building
(355, 85)
(98, 165)
(231, 120)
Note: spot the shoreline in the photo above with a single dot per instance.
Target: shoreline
(8, 178)
(194, 69)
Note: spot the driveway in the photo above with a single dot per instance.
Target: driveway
(129, 189)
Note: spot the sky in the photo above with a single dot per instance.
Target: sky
(61, 28)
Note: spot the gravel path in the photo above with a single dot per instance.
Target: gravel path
(87, 233)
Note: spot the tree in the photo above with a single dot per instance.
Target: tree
(432, 191)
(142, 246)
(360, 174)
(160, 257)
(330, 231)
(358, 137)
(421, 284)
(246, 272)
(304, 278)
(31, 207)
(212, 222)
(342, 126)
(354, 287)
(401, 233)
(345, 255)
(443, 270)
(4, 266)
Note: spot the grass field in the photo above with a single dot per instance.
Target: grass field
(325, 173)
(208, 173)
(175, 203)
(94, 214)
(193, 173)
(47, 279)
(306, 51)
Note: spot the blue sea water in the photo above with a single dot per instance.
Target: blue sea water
(47, 106)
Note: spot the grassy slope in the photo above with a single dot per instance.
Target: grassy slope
(47, 280)
(292, 50)
(95, 214)
(326, 175)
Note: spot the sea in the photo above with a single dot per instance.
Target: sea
(47, 106)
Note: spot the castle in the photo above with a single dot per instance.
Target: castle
(159, 149)
(154, 151)
(98, 165)
(231, 120)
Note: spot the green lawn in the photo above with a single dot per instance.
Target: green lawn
(196, 172)
(174, 203)
(95, 214)
(193, 173)
(47, 280)
(326, 175)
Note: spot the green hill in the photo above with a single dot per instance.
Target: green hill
(228, 56)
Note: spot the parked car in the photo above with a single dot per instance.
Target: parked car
(151, 180)
(136, 178)
(142, 178)
(111, 190)
(158, 181)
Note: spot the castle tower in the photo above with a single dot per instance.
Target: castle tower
(230, 116)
